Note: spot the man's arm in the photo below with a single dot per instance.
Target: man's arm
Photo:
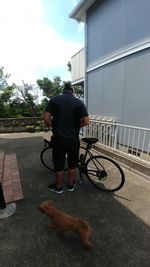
(47, 118)
(84, 121)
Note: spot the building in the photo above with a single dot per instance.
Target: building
(116, 59)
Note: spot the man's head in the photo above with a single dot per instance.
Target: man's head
(68, 88)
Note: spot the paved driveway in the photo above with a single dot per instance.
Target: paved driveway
(120, 221)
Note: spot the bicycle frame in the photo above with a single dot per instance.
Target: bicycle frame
(81, 163)
(47, 143)
(95, 167)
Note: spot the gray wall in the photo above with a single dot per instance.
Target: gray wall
(122, 89)
(113, 25)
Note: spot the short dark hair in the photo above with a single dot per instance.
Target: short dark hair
(67, 87)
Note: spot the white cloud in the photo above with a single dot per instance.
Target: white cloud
(29, 45)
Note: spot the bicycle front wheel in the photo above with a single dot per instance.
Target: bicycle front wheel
(46, 158)
(104, 173)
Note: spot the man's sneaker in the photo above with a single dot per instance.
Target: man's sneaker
(71, 187)
(54, 188)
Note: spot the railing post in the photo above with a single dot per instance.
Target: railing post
(116, 136)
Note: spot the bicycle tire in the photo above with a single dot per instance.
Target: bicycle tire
(104, 173)
(46, 158)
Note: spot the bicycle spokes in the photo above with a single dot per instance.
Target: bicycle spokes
(104, 173)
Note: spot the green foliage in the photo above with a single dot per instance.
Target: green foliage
(30, 128)
(3, 78)
(26, 100)
(69, 66)
(19, 101)
(50, 88)
(46, 86)
(79, 89)
(42, 107)
(6, 92)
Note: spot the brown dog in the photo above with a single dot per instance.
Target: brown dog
(64, 222)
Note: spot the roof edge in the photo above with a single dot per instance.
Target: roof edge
(78, 13)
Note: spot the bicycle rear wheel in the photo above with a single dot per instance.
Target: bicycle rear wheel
(104, 173)
(46, 158)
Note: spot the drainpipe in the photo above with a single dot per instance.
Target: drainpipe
(85, 75)
(85, 71)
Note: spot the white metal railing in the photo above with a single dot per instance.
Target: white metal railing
(131, 140)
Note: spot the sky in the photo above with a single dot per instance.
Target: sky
(38, 39)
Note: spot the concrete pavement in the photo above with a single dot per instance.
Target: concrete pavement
(120, 221)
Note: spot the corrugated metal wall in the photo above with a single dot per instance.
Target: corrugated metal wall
(113, 25)
(120, 88)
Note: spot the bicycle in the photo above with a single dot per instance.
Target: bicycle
(103, 172)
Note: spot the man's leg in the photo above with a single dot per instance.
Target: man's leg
(59, 178)
(59, 160)
(73, 155)
(58, 185)
(72, 176)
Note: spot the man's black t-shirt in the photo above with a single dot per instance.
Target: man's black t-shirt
(66, 111)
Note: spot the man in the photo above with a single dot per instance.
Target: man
(66, 114)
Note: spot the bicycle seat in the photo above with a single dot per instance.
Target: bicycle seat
(89, 140)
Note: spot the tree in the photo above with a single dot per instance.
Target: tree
(6, 92)
(3, 78)
(50, 88)
(25, 97)
(20, 101)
